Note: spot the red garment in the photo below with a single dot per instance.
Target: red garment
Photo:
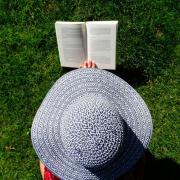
(48, 175)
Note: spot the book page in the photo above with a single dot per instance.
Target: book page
(72, 44)
(101, 43)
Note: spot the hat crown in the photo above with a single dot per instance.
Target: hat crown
(92, 130)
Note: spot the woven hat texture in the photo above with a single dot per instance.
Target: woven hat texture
(91, 125)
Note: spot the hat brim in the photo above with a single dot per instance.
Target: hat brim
(45, 133)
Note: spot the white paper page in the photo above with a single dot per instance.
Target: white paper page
(72, 44)
(101, 43)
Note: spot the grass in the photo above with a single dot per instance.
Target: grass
(161, 96)
(147, 43)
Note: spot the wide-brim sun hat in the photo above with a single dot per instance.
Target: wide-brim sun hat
(91, 125)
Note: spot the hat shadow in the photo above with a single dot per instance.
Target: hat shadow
(146, 166)
(123, 163)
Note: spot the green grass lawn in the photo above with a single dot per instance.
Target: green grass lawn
(29, 65)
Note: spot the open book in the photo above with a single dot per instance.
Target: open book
(94, 40)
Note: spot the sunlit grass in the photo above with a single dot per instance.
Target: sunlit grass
(29, 65)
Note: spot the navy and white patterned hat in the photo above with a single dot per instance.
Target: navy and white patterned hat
(91, 125)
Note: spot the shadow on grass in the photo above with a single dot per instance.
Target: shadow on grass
(166, 169)
(134, 77)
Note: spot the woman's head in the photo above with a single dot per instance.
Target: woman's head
(91, 125)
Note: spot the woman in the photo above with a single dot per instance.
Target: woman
(136, 169)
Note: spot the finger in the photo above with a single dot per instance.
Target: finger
(86, 64)
(89, 63)
(94, 65)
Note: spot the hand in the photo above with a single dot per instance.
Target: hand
(88, 64)
(41, 165)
